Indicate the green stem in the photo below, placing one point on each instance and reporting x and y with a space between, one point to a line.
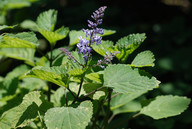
50 64
105 124
66 101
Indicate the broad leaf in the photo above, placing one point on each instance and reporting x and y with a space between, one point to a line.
124 79
31 84
54 74
166 106
47 20
26 112
96 77
144 59
74 35
26 54
53 37
128 44
20 40
11 80
122 99
132 106
69 117
105 46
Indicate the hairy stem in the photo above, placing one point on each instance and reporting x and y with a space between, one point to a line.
50 64
66 100
92 92
105 124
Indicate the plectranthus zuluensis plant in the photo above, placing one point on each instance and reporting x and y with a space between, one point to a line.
72 87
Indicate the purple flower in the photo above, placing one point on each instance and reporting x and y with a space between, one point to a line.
84 46
97 39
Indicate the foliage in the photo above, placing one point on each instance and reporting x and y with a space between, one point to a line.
85 86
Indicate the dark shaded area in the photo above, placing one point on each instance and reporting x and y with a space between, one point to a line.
167 24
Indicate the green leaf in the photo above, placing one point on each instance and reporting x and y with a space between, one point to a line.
20 40
132 106
108 32
6 27
89 87
53 74
124 79
105 46
122 99
16 4
26 112
166 106
144 59
47 20
58 98
32 84
74 35
97 77
12 79
26 54
128 44
29 24
69 117
53 37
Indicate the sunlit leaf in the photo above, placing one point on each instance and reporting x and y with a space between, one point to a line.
144 59
26 54
105 46
20 40
166 106
128 44
47 20
124 79
53 74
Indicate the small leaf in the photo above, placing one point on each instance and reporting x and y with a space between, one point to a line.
29 24
53 37
128 44
69 117
97 77
132 106
26 112
53 74
144 59
166 106
47 20
124 79
20 40
105 46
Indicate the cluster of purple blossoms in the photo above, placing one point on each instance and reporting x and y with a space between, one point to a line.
84 45
107 59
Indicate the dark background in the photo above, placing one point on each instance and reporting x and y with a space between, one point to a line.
168 26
